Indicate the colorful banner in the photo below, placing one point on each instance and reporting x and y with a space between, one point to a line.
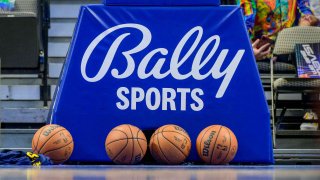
151 66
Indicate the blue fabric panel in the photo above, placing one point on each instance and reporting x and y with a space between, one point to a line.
126 62
163 2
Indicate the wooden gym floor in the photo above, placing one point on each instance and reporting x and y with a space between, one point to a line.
142 172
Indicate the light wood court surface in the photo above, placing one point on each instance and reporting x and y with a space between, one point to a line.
160 172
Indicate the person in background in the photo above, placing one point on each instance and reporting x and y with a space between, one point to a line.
266 18
315 7
308 20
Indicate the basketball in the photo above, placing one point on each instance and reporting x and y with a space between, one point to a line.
126 144
217 144
170 144
53 141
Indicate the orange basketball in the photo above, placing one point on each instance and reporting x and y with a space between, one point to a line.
53 141
170 144
126 144
217 144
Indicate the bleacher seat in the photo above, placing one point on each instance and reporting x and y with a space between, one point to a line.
20 31
286 41
279 68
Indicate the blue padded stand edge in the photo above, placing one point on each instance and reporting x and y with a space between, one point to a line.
162 2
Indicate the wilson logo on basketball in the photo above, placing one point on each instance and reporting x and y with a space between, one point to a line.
49 130
179 129
205 151
165 99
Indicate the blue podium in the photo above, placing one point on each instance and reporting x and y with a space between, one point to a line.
149 66
162 2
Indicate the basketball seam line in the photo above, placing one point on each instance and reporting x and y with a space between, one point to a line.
50 138
199 153
175 132
36 147
139 143
57 148
175 146
119 130
124 139
229 147
117 139
132 144
121 149
215 142
162 151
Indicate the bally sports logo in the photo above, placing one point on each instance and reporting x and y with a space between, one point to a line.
164 98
